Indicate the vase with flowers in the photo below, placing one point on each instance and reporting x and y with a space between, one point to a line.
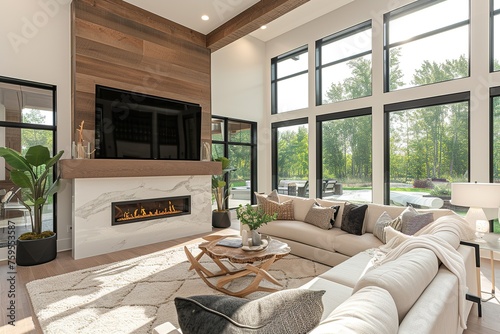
253 218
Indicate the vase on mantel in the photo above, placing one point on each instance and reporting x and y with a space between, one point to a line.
256 238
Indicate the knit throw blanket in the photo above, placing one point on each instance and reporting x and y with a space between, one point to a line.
448 255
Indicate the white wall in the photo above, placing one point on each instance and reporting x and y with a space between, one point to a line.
35 46
238 83
356 12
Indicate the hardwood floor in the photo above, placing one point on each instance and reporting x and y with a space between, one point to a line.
25 322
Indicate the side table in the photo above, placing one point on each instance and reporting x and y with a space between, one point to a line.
490 242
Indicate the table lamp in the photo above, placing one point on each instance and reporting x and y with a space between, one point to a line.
476 196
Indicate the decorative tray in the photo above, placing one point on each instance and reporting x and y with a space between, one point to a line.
262 246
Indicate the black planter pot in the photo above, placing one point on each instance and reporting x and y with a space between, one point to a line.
221 219
33 252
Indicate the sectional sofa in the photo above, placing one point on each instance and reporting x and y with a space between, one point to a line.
414 293
382 280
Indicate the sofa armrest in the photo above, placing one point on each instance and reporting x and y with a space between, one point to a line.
471 297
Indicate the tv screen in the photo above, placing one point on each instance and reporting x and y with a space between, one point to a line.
131 125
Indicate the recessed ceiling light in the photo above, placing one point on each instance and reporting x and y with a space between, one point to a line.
263 27
205 17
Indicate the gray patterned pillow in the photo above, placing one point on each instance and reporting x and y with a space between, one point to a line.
320 217
416 222
283 312
382 222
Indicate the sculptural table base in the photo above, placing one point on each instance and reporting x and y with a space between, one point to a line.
266 257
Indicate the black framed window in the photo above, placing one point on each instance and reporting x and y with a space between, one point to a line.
290 157
426 42
237 140
495 143
344 65
426 148
344 155
289 81
27 118
495 134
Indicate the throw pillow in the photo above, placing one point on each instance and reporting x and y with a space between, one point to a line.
416 222
336 209
353 218
273 196
382 222
286 311
331 203
284 210
320 217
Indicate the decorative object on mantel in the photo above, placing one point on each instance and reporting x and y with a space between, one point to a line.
253 218
221 216
31 173
206 150
80 149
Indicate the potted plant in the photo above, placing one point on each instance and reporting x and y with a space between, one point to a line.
221 216
32 173
253 218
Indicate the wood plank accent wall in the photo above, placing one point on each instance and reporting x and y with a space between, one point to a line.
118 45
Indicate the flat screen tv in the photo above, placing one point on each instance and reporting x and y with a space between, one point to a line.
130 125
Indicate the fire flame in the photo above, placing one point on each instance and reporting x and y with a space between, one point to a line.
142 213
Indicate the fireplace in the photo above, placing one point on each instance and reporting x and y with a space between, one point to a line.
147 209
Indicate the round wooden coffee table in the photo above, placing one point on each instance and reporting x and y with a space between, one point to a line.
258 262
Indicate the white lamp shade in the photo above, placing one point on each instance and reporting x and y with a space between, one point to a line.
476 195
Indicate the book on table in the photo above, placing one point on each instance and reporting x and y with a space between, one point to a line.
230 242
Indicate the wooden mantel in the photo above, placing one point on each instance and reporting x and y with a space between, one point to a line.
100 168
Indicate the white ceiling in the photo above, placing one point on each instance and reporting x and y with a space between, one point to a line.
188 13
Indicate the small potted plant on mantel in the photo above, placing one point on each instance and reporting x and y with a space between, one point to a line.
252 218
31 173
221 216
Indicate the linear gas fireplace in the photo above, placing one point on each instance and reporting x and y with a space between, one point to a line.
146 209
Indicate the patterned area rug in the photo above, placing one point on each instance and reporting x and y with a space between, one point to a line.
136 295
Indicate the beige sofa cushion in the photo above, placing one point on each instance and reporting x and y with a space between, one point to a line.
370 310
349 272
351 244
405 278
303 233
335 293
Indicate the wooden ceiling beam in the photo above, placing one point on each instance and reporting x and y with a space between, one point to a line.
250 20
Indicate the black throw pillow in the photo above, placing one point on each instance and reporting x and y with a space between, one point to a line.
353 218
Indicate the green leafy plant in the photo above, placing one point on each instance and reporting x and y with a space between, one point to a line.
253 217
32 174
219 183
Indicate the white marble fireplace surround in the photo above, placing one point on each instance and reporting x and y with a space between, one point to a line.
93 233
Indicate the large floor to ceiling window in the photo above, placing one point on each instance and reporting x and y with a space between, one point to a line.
290 143
27 118
427 148
344 65
495 140
423 46
289 81
236 140
346 155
